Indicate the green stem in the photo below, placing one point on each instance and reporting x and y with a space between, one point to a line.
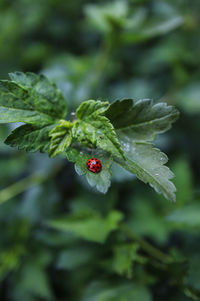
147 247
20 186
103 60
24 184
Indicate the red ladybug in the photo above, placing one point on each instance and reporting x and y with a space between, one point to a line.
94 165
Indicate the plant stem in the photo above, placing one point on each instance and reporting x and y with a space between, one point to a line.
20 186
147 247
103 60
24 184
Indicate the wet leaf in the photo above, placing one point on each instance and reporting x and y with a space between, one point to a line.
147 163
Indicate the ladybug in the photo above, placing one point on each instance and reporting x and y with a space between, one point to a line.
94 165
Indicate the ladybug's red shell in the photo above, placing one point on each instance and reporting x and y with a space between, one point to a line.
94 165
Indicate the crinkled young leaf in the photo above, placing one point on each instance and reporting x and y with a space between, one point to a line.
92 128
147 163
30 98
88 225
141 120
61 138
102 180
91 108
30 138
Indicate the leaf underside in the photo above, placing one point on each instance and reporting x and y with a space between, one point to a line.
142 120
147 163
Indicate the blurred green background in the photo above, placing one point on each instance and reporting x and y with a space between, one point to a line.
102 50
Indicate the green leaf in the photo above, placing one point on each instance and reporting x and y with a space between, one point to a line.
10 260
183 180
141 120
187 216
30 138
30 98
51 98
61 138
102 180
88 225
151 30
120 291
193 273
147 163
33 279
92 128
117 110
124 256
141 210
106 16
91 107
76 256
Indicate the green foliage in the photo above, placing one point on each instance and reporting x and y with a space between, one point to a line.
9 261
95 128
141 120
99 50
61 138
104 17
102 291
31 99
101 180
183 180
88 225
34 281
156 226
186 216
147 163
136 28
110 128
193 273
123 258
30 138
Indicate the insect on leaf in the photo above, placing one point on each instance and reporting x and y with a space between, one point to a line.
102 180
